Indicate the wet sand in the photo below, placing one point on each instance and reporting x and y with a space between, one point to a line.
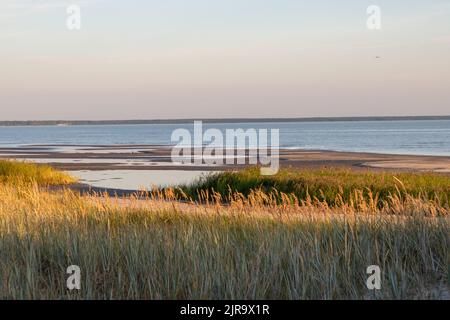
139 157
121 170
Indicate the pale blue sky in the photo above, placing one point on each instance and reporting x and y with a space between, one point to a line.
231 58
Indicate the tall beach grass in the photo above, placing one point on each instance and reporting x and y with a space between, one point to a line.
331 185
147 249
255 246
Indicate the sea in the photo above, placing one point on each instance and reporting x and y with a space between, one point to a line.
413 137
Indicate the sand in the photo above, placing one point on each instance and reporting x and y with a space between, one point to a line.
138 157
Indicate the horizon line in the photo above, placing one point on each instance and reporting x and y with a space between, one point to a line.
219 120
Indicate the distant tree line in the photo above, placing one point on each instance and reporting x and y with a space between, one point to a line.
231 120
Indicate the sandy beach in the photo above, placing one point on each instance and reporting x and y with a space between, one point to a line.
148 157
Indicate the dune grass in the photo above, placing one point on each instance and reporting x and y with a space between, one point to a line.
19 172
256 246
135 249
330 185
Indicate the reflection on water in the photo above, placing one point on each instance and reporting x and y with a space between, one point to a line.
137 179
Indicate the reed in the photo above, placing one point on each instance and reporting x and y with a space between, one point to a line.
332 186
153 248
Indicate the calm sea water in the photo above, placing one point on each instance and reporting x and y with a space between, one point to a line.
422 137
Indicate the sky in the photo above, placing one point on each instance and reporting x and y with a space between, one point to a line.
231 58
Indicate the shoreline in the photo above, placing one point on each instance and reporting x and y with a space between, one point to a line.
123 170
157 157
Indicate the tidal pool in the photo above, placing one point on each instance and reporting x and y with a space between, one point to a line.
137 179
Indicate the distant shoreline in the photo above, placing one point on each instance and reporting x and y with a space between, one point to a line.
213 120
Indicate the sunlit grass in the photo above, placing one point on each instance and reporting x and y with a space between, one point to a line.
157 249
14 171
256 242
330 185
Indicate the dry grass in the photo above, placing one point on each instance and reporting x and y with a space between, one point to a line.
19 172
251 248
